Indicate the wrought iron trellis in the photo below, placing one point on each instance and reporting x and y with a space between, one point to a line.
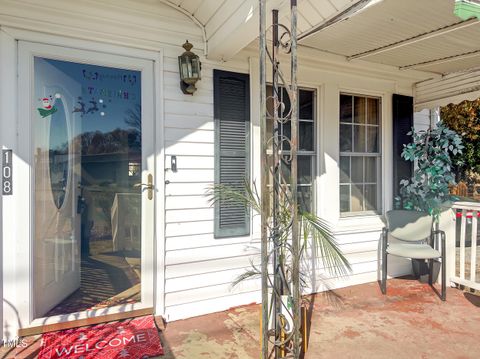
280 248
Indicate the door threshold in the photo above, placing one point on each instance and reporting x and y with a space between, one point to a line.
40 329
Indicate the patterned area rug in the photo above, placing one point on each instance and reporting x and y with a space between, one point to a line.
130 339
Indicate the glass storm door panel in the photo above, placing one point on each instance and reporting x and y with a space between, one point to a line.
87 141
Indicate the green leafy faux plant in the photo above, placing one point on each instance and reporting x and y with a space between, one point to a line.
432 152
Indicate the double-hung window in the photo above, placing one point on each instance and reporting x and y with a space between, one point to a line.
360 154
306 141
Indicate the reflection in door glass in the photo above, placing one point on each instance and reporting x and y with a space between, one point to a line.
58 147
88 159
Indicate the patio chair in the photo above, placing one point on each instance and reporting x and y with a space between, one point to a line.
416 240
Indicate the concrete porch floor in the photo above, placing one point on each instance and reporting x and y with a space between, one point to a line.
354 322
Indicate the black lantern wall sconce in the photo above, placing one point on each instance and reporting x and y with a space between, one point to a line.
189 68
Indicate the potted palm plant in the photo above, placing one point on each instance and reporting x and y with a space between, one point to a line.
314 231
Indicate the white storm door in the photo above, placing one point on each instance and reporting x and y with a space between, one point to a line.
90 131
56 176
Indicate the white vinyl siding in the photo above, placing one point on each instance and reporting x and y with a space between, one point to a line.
198 267
451 88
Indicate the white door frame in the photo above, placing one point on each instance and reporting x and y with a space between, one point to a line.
111 55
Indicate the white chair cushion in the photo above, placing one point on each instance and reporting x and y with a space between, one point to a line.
413 250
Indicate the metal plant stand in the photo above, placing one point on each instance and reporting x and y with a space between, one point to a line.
280 249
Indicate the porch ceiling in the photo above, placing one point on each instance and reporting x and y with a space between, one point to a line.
230 25
422 35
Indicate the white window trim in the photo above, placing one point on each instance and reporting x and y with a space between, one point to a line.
378 155
355 221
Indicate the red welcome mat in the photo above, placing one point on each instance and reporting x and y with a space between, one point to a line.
128 339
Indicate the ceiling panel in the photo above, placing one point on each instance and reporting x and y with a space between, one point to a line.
207 9
458 42
310 12
393 21
385 23
191 6
446 67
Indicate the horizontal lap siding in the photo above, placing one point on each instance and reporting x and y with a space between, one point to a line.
361 251
454 87
149 25
421 120
199 268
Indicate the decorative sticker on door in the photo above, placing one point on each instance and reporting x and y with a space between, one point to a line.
91 108
48 105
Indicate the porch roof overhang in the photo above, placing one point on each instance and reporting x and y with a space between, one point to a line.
412 35
425 36
228 26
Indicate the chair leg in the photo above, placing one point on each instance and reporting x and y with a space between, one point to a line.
430 271
384 271
444 277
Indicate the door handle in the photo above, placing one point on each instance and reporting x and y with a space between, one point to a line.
149 186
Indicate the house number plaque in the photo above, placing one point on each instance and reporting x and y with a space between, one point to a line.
7 184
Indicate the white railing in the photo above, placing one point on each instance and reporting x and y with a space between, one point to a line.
467 266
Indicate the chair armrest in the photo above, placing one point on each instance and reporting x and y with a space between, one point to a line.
443 238
384 237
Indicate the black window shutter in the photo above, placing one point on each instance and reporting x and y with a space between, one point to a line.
402 124
232 149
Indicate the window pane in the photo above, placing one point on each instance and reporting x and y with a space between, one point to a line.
287 132
304 197
357 170
345 138
372 142
304 164
359 115
269 102
371 169
285 99
345 198
370 197
285 168
270 167
306 105
304 169
306 135
345 108
269 132
282 98
357 198
344 169
373 111
359 139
